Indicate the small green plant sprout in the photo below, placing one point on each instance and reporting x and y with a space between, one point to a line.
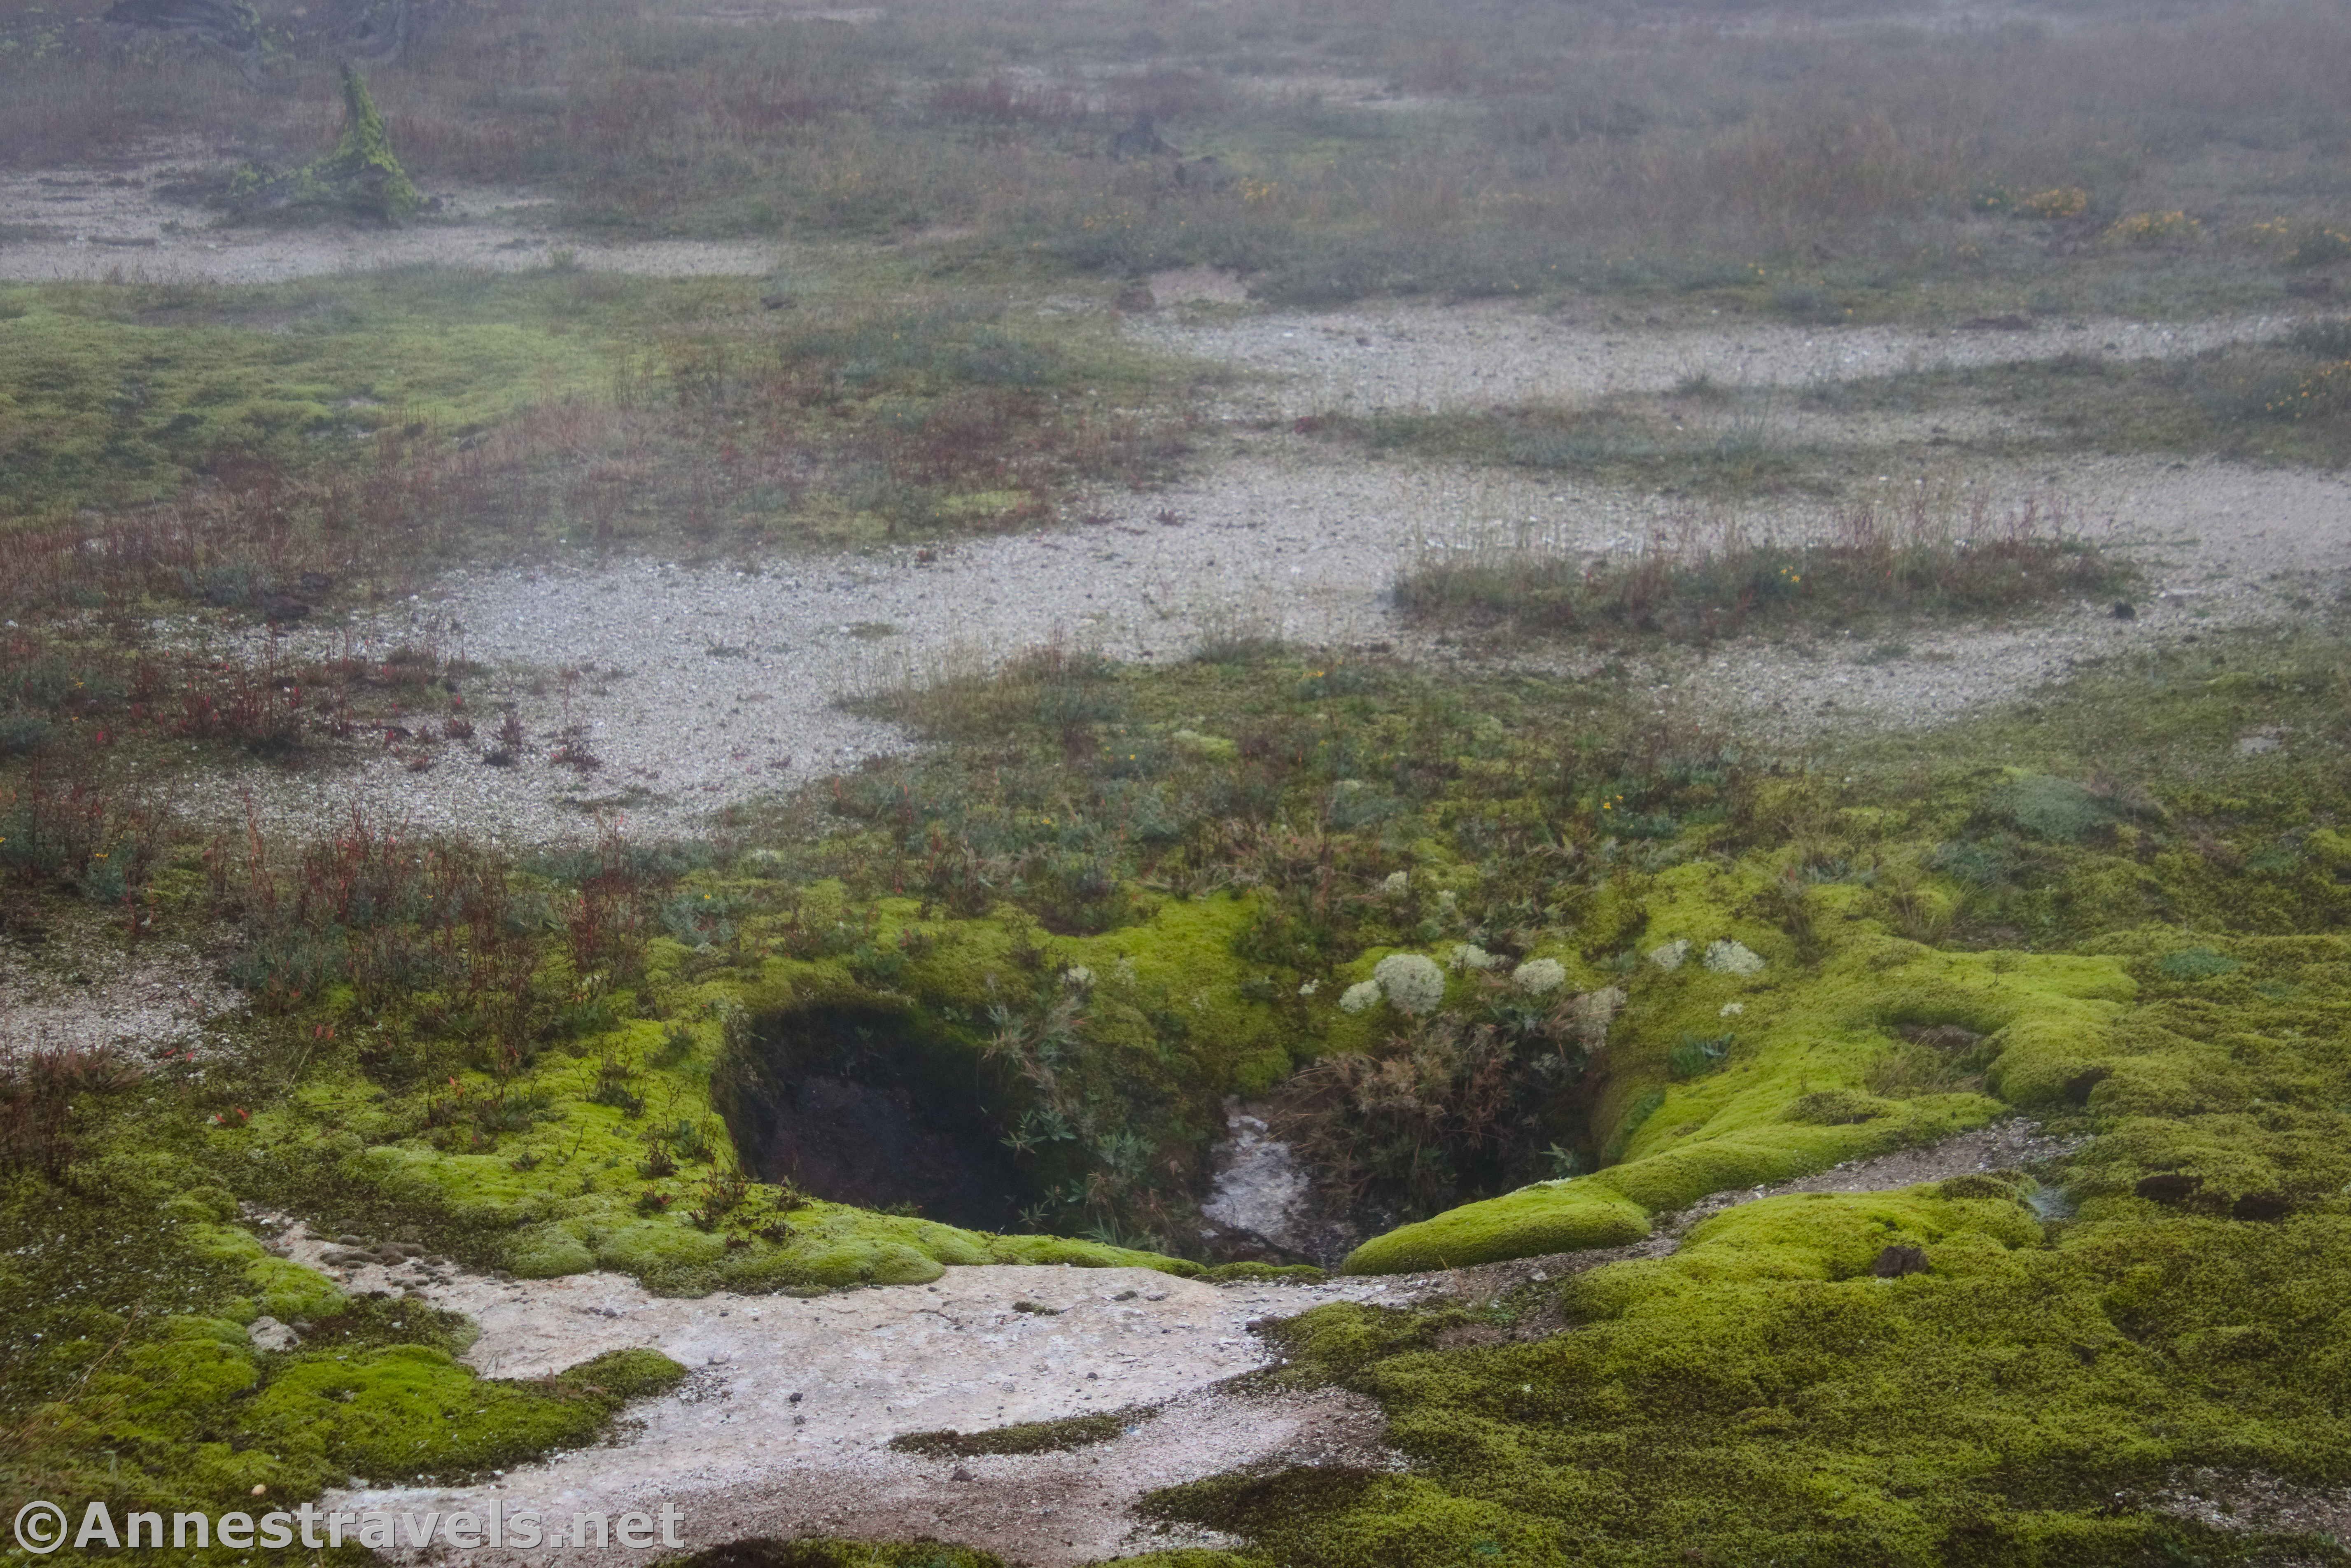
613 1077
1565 1163
686 1141
722 1192
658 1161
1694 1055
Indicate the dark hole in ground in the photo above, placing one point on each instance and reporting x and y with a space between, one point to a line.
863 1106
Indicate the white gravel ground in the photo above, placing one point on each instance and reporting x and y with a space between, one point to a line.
92 225
1282 536
144 1002
1426 358
784 1428
1272 534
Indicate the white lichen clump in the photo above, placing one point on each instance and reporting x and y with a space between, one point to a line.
1396 884
1078 978
1361 994
1669 956
1732 1009
1540 977
1309 987
1413 984
1469 955
1734 958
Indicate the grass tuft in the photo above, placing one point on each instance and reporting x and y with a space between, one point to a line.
1026 1437
1698 583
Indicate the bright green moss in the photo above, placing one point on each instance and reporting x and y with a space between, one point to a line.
1026 1437
1786 1387
1763 1393
626 1373
129 1373
123 401
358 177
363 166
1761 1396
406 1411
1792 1093
1550 1219
1839 1236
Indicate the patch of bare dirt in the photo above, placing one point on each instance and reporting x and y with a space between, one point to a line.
1198 286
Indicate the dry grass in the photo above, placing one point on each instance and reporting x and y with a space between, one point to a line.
1928 555
38 1092
1534 147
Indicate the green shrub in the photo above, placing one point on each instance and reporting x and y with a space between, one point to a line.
2050 808
22 733
2197 964
1693 1055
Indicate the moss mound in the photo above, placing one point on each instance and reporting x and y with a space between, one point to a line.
1792 1091
1988 1408
407 1411
1026 1437
1526 1223
360 177
129 1372
1988 1369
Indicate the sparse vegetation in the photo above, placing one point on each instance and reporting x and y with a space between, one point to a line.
1026 1436
1918 556
1512 963
2277 401
355 427
1731 449
1824 174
